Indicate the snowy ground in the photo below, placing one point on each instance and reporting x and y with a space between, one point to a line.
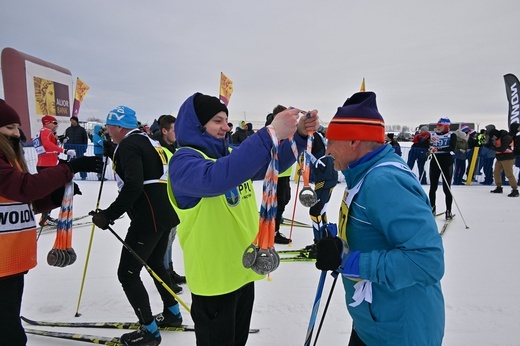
480 285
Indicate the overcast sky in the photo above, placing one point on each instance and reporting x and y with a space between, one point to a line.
424 59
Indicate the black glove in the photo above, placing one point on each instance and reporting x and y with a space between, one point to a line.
86 164
100 219
328 253
108 148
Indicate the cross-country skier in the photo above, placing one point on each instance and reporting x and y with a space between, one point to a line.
442 147
141 174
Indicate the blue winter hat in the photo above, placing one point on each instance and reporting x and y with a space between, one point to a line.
444 121
122 116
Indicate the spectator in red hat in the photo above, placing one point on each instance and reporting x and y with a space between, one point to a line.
47 147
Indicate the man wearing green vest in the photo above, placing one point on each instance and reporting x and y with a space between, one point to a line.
212 191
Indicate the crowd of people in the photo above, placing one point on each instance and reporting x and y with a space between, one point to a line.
178 176
497 152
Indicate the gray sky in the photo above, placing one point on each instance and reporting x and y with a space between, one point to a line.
424 59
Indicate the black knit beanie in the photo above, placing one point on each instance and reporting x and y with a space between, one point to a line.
206 107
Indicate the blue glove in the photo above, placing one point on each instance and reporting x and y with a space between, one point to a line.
350 265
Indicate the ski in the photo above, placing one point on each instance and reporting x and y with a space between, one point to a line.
297 259
287 222
445 226
50 228
93 339
298 251
299 255
111 325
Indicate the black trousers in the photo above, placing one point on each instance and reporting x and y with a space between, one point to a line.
151 247
283 196
11 330
355 340
223 320
444 162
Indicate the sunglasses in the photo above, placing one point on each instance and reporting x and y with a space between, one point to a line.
55 122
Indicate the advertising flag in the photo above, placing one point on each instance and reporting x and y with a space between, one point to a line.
226 88
512 86
362 89
79 95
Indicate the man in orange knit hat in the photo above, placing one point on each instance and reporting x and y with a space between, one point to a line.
389 254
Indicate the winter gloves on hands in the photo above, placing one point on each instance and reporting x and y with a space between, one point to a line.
331 255
108 148
328 253
86 164
70 153
100 219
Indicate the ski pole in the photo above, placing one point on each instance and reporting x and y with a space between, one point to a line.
325 309
315 307
299 173
91 239
150 270
449 189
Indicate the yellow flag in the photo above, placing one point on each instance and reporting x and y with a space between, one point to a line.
79 95
362 89
226 88
81 90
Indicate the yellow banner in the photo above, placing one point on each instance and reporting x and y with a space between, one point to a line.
81 90
226 88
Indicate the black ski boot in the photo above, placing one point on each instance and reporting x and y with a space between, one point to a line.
168 319
433 210
449 215
176 288
279 238
514 193
497 190
141 337
312 250
176 278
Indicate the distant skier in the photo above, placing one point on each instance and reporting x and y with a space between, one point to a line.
442 145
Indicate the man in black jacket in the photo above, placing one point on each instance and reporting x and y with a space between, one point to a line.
502 142
77 139
141 172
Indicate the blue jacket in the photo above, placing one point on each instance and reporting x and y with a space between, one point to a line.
97 140
391 223
193 177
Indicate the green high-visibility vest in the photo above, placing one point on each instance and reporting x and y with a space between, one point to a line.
214 235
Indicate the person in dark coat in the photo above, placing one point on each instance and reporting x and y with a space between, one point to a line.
502 143
419 152
77 139
241 133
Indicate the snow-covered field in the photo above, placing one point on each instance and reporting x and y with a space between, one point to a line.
480 285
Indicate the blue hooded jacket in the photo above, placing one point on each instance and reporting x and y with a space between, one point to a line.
97 140
391 223
193 177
